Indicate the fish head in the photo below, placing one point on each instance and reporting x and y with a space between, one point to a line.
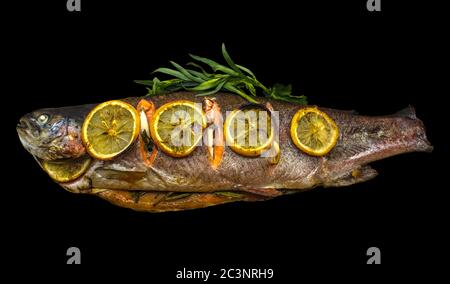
53 133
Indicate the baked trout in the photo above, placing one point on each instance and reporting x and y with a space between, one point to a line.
146 179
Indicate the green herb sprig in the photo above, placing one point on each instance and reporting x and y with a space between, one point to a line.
232 78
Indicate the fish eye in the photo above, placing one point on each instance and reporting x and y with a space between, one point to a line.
43 118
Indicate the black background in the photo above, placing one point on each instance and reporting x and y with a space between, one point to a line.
335 52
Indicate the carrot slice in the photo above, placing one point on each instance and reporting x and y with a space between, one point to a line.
148 108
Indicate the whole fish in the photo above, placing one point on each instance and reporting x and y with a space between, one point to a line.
165 183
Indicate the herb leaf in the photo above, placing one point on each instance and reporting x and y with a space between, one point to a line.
234 78
229 60
283 92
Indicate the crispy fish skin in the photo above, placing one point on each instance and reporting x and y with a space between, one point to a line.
362 140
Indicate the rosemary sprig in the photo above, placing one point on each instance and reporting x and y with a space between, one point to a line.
233 78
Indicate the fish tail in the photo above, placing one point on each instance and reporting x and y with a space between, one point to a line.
418 134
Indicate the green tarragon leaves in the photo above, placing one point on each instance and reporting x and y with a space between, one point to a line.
233 78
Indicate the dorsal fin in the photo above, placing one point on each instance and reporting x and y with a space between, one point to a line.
408 111
351 112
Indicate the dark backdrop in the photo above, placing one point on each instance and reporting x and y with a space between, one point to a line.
335 52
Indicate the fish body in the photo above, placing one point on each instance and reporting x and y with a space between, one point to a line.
173 183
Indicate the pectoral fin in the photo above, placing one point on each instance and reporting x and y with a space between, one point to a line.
121 175
162 202
357 175
266 192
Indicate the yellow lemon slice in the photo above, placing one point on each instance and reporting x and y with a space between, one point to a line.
313 131
248 131
109 129
176 127
67 170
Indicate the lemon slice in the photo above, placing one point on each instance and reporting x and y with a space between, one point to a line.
176 127
248 131
109 129
67 170
313 131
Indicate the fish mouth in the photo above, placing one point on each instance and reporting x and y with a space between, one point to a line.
28 134
27 129
25 139
22 125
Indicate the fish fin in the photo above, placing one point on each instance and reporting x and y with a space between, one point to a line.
152 201
408 111
357 175
120 175
351 112
98 190
267 192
